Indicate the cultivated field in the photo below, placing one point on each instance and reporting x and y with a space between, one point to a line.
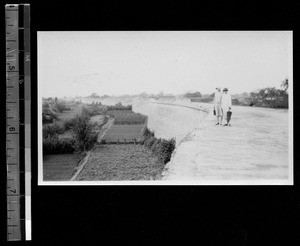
127 117
121 162
59 167
121 132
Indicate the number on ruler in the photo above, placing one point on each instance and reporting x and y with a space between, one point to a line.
27 58
11 67
11 129
21 81
14 190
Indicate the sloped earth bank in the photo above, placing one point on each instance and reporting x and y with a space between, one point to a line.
121 162
168 121
255 147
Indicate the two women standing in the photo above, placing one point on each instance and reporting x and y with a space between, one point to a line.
222 106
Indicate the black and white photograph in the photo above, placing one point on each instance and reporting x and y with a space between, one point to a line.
150 122
162 107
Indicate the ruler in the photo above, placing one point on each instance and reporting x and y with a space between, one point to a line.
18 101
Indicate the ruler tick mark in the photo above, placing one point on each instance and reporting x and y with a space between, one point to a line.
17 64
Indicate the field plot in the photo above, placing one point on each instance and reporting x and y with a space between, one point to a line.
59 167
121 162
127 117
121 132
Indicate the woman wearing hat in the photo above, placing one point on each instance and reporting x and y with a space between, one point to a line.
226 105
217 105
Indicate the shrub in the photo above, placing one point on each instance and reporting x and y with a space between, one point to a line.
47 119
119 106
149 142
85 113
92 139
52 130
146 133
156 146
96 109
166 149
61 106
53 145
162 148
84 135
69 124
235 101
105 119
45 105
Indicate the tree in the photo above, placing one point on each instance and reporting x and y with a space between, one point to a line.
45 105
83 132
269 97
285 84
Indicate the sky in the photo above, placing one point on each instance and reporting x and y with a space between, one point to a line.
130 62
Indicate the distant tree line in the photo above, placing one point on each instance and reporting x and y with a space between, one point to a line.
192 94
269 97
119 106
95 95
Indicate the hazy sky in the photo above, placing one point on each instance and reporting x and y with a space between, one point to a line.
80 63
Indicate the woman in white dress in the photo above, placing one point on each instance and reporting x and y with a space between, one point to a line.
217 105
226 105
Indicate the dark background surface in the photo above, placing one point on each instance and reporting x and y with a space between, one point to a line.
222 215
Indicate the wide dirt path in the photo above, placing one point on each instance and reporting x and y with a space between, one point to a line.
255 147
